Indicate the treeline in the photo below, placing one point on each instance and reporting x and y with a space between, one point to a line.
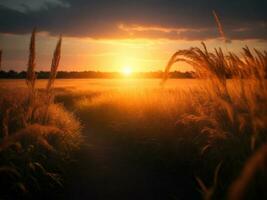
94 74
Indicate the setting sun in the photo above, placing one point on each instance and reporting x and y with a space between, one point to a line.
127 71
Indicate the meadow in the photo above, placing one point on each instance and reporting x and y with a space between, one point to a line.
173 142
139 138
147 141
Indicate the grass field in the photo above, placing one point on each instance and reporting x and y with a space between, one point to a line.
147 141
201 138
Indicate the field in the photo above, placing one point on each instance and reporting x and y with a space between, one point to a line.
142 140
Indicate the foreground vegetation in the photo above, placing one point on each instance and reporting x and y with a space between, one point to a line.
36 139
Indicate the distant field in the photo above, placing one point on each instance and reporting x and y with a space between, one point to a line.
85 84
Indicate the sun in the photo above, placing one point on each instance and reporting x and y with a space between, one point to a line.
127 71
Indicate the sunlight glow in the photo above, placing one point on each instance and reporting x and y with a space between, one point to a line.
127 71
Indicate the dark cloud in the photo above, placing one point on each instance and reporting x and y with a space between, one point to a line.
241 19
27 5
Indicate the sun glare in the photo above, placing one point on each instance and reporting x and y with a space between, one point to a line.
127 71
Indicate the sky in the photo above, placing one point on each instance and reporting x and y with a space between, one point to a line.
105 35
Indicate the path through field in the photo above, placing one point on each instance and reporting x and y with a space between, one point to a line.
111 167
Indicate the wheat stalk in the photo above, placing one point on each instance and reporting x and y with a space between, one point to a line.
54 65
52 77
30 76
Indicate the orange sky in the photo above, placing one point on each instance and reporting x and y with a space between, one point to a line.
81 54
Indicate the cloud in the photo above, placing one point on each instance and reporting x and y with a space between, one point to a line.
170 19
28 5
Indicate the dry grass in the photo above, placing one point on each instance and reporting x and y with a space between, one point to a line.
54 65
18 112
128 110
31 76
229 112
245 109
34 128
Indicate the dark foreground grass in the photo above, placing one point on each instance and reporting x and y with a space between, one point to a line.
138 150
37 137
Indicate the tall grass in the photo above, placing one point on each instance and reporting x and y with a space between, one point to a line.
31 76
54 66
236 112
33 131
247 106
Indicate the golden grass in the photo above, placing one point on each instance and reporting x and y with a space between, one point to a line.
20 113
54 65
229 111
33 125
248 72
135 108
31 76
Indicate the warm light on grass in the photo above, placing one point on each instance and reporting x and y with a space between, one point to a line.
127 71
